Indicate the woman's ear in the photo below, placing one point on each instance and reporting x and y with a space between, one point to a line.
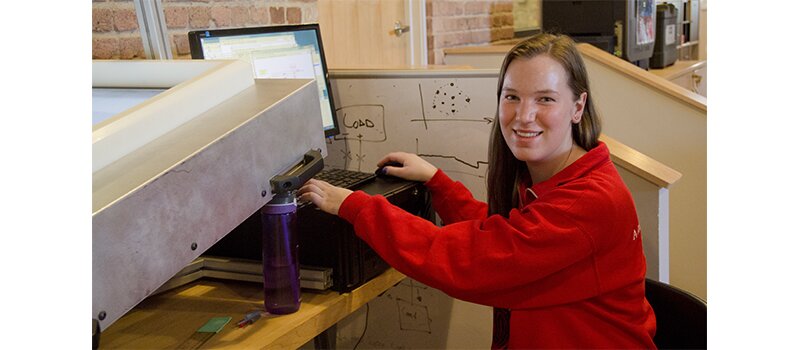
579 107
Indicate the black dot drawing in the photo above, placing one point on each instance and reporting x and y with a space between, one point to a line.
458 100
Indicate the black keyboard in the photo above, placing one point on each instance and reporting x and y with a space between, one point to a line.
344 178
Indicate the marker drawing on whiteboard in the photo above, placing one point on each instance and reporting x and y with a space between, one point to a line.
486 120
421 97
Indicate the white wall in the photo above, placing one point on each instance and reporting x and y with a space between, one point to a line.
703 31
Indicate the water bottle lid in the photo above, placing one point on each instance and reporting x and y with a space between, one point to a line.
281 207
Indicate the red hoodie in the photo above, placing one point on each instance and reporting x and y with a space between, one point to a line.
569 264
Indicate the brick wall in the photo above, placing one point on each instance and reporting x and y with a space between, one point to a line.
115 28
455 23
450 23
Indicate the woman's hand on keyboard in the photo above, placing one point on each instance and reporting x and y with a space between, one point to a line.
324 195
407 166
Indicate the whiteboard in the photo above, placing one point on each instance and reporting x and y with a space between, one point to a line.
443 116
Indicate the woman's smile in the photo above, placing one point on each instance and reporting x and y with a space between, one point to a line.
527 133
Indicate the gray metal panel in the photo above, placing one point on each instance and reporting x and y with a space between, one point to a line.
193 185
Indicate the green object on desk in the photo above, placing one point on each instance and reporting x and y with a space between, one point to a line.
214 325
198 338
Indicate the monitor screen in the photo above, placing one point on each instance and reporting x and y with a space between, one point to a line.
278 52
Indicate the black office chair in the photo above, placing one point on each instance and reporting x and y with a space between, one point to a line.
681 317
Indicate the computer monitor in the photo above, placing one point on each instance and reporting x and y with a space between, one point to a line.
277 52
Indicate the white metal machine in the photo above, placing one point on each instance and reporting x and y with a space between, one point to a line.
179 170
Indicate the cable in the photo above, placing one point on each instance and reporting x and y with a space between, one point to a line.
366 324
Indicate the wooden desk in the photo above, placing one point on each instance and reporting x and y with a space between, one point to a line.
166 320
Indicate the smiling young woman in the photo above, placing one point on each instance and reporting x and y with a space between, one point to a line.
557 249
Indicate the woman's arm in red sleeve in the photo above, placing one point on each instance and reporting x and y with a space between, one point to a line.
494 261
453 201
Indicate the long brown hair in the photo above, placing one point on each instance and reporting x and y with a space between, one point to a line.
504 170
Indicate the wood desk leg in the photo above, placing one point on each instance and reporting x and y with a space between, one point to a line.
326 340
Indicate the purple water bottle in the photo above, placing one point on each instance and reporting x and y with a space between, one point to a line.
280 260
280 248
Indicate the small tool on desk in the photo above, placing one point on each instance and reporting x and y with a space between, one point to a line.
213 326
249 319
